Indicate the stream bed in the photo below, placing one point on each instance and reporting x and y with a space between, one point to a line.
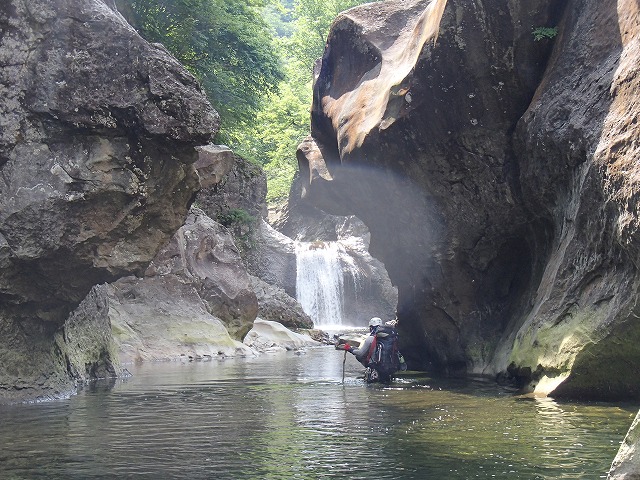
288 415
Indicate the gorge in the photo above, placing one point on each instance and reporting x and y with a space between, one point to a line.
495 174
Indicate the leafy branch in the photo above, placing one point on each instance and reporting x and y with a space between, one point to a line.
542 33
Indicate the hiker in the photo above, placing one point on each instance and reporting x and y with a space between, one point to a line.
379 352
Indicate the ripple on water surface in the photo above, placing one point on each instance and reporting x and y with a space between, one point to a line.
290 416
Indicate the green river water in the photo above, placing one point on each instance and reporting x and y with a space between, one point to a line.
283 416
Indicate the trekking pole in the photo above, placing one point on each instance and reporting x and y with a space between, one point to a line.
344 360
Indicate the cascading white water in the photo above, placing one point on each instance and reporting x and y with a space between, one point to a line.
319 282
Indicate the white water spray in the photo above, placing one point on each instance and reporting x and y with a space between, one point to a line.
319 282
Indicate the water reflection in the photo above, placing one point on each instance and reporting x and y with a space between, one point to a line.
287 416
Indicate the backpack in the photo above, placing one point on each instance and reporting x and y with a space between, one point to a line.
383 353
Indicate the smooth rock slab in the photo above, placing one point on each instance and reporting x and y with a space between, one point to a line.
269 336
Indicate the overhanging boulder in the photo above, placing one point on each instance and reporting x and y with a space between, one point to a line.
97 147
497 176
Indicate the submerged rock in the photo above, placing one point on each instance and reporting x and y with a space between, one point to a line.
97 145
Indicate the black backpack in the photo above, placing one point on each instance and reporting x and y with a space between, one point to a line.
383 353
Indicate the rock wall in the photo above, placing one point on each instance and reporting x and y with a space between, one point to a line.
97 145
497 176
579 177
196 300
273 258
203 256
243 187
626 465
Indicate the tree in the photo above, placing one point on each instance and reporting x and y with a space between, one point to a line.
313 18
258 75
280 127
226 44
285 119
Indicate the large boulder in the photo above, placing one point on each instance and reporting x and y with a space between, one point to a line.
213 164
498 177
163 318
202 254
578 177
97 145
268 336
626 465
194 301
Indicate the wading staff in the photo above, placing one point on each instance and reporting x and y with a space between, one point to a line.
344 360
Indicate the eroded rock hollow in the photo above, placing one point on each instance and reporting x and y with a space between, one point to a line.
498 176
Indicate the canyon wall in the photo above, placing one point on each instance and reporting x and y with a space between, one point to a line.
497 174
97 145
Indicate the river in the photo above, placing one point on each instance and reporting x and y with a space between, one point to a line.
289 416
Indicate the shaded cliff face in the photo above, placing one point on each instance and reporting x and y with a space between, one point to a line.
496 179
96 152
580 173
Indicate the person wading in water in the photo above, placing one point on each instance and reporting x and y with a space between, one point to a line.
379 352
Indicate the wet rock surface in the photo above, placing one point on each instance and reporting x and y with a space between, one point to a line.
626 465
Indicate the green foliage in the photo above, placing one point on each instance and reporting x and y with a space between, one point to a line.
241 224
312 21
285 120
255 60
542 33
226 44
280 127
235 217
279 17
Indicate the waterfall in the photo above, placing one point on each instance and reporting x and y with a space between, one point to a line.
319 282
